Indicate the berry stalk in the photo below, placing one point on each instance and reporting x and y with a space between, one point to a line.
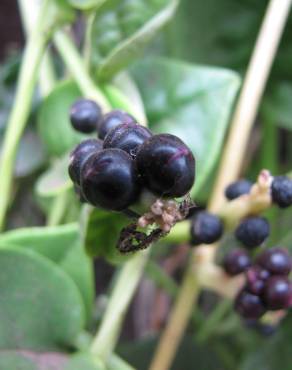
18 117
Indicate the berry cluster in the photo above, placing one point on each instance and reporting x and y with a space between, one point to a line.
111 171
267 286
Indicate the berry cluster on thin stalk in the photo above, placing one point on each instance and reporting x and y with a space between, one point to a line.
266 285
114 170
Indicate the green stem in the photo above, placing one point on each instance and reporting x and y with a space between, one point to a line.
21 107
124 289
58 209
76 66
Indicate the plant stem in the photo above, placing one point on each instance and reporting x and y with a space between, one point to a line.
21 107
76 66
124 289
241 125
58 209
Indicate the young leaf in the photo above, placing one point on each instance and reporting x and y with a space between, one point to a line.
86 4
122 29
62 245
41 308
54 125
192 102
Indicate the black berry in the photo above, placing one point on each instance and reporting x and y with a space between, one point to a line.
236 261
256 278
282 191
112 120
278 293
248 305
253 231
128 137
205 228
276 260
79 155
109 180
238 188
166 165
85 115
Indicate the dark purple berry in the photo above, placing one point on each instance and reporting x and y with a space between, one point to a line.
238 188
79 155
79 193
166 165
252 231
278 293
276 260
85 115
282 191
248 305
109 180
128 137
205 228
112 120
256 278
236 261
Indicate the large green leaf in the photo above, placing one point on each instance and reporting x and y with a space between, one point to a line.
54 125
123 28
101 231
62 245
40 307
192 102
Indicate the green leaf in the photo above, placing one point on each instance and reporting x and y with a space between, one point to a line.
84 361
86 4
122 29
54 125
55 180
101 231
277 105
40 307
192 102
62 245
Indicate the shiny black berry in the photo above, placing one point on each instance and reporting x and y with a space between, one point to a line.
79 155
112 120
128 137
236 261
252 231
276 260
109 180
85 115
248 305
278 293
256 278
238 188
205 228
166 165
282 191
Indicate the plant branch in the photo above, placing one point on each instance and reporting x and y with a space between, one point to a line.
245 112
21 107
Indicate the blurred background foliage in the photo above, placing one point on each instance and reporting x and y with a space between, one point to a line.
218 33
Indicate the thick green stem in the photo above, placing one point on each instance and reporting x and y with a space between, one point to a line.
123 292
76 66
21 107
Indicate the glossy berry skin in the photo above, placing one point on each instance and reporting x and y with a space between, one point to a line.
109 180
166 165
256 278
112 120
282 191
248 305
79 155
85 115
276 260
238 188
278 293
252 231
236 261
205 228
128 137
